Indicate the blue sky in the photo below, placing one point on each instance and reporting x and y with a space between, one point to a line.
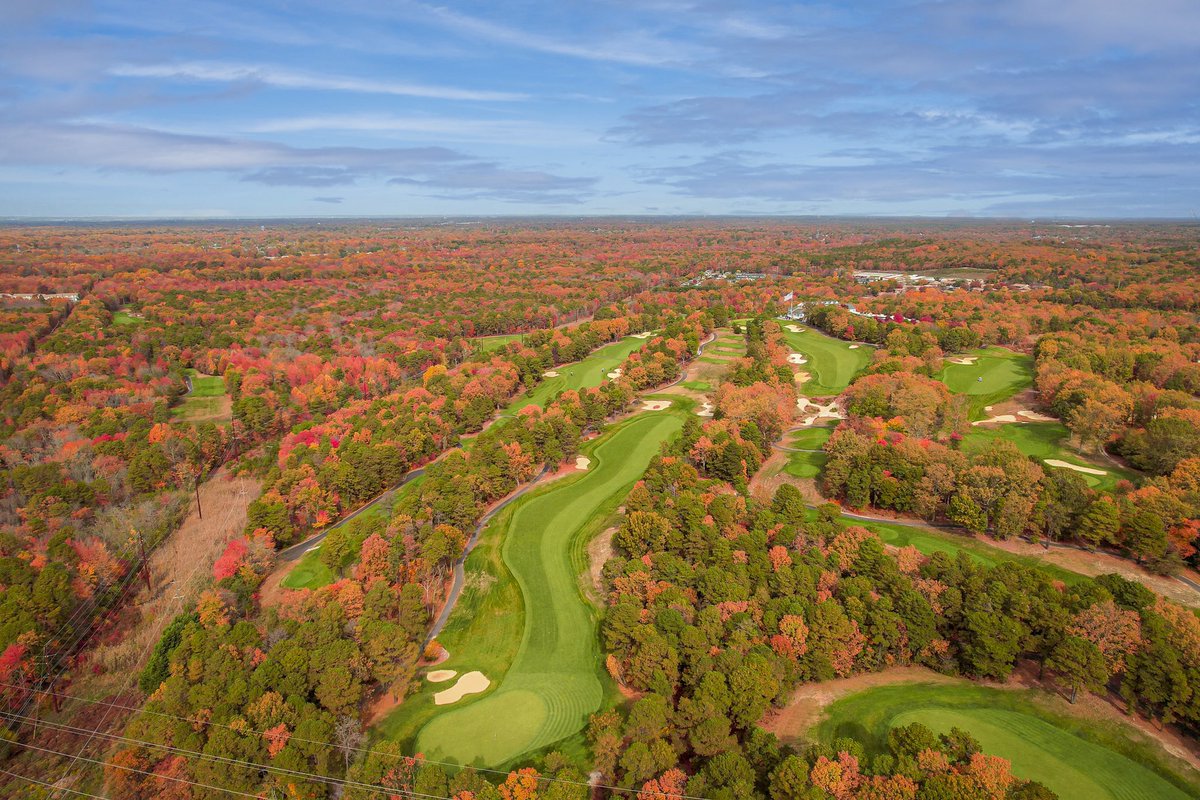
386 107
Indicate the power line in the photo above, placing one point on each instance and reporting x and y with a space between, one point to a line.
35 781
283 771
422 759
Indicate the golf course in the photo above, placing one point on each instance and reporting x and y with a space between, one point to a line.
832 363
1078 758
993 375
1048 441
583 374
543 657
810 463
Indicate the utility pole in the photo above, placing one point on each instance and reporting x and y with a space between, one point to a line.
196 487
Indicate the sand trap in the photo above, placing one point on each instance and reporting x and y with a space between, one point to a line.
582 462
655 405
815 411
440 675
705 410
964 360
999 418
853 347
645 335
1035 416
550 374
616 373
794 328
1054 462
802 377
471 683
797 358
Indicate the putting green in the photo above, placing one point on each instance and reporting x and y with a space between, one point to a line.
832 363
1077 758
996 375
807 465
1048 440
555 681
577 375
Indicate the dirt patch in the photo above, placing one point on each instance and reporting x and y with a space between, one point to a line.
599 551
807 705
1036 416
180 565
471 683
1100 563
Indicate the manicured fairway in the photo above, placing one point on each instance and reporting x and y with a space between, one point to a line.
1079 759
807 465
1043 440
123 317
930 540
584 374
1003 373
555 681
831 362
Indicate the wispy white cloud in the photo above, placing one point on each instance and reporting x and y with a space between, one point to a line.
280 77
530 132
633 48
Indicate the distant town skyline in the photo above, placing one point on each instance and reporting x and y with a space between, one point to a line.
121 108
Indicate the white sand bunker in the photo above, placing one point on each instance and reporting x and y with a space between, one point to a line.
998 418
794 328
471 683
550 374
616 373
797 358
1035 416
582 462
655 405
440 675
645 335
1054 462
853 347
964 360
705 410
816 411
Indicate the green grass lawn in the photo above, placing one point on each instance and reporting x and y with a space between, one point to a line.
1077 758
831 362
1003 373
123 317
309 573
206 399
556 679
1043 440
807 465
697 386
930 540
584 374
488 343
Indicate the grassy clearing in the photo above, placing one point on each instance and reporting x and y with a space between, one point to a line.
1078 758
486 344
1043 440
207 401
697 386
584 374
832 363
123 317
996 375
556 680
309 573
